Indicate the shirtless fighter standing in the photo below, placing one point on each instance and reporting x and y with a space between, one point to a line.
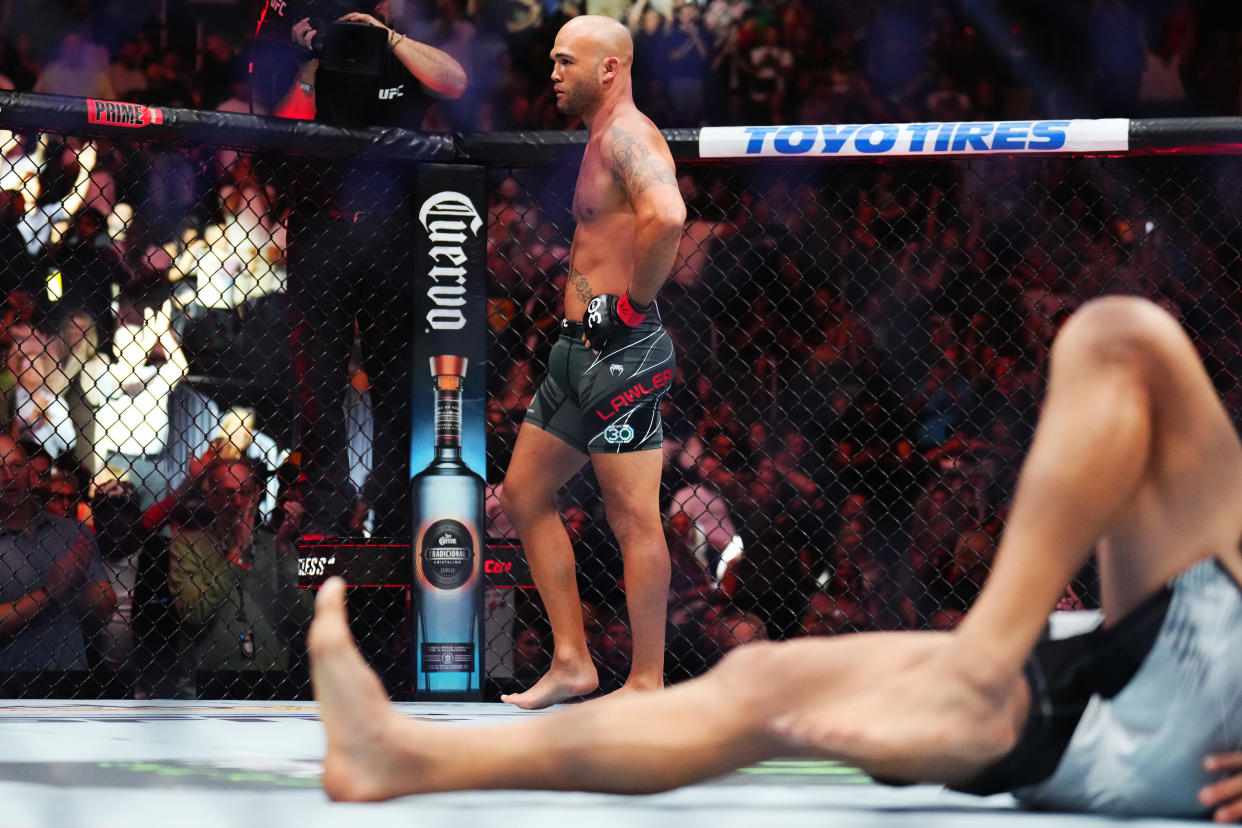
607 373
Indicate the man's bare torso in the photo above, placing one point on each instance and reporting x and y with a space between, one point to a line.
601 259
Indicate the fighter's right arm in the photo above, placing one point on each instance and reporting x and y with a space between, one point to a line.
641 162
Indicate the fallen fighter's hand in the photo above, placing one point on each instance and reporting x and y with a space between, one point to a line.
1224 798
607 315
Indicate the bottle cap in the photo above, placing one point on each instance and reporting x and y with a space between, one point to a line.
448 365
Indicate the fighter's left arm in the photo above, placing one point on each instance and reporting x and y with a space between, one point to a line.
1224 798
641 161
435 69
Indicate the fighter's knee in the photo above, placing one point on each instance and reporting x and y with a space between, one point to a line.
634 521
520 502
1124 329
508 500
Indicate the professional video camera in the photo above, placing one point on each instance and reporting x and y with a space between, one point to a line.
348 44
350 54
280 15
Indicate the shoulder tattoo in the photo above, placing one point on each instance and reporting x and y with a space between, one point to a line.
636 165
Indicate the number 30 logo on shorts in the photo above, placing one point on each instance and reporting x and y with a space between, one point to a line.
616 434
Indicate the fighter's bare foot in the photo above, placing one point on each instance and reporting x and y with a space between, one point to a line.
627 689
639 684
353 705
939 721
561 682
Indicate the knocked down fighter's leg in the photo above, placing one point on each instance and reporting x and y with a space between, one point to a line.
625 743
1133 451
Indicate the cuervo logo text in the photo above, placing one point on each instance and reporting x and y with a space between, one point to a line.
449 219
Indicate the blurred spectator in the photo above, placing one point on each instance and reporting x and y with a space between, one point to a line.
60 191
688 50
59 495
827 614
41 413
721 17
733 629
79 68
947 102
615 648
41 464
650 73
17 265
121 536
238 261
18 63
716 543
89 266
221 68
690 580
771 580
239 437
167 83
54 593
125 74
143 424
44 367
952 594
616 9
530 659
850 568
1116 32
235 586
770 63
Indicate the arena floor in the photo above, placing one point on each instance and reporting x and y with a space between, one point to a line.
131 764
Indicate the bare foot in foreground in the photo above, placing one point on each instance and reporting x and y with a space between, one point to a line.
937 722
354 707
558 684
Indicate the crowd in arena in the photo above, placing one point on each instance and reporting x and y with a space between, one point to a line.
716 62
861 348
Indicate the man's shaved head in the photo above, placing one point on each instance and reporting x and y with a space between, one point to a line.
592 55
597 37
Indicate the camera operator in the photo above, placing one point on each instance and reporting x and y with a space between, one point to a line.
350 256
417 70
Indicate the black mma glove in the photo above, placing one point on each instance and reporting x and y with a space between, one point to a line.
607 315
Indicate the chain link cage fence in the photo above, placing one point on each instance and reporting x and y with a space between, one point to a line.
861 352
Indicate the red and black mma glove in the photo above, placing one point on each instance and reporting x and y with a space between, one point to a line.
608 315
